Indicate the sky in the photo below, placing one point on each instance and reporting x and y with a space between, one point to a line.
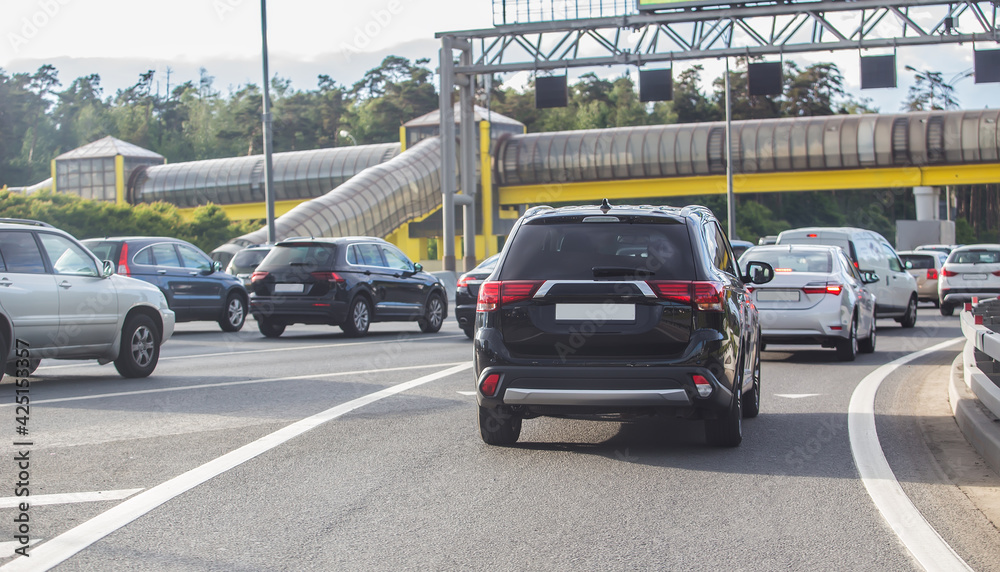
120 39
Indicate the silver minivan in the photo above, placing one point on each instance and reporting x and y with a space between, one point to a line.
895 292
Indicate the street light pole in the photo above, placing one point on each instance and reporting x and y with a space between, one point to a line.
268 173
730 206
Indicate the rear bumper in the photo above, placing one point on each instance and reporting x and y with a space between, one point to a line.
961 295
579 390
298 310
466 315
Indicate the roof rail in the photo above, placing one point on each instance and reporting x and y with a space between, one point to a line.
26 221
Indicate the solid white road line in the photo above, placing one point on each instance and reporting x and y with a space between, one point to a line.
797 395
469 393
7 548
919 537
270 350
64 546
68 498
230 383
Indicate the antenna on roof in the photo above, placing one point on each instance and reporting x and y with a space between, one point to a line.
605 206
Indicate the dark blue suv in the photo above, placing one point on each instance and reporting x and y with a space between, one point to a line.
195 286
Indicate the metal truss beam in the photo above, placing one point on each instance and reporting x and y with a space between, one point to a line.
768 28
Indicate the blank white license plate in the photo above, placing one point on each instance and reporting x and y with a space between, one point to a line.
288 288
975 277
596 312
777 296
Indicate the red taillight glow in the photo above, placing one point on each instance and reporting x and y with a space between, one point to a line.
489 385
463 282
259 275
493 295
828 288
705 296
996 273
331 277
932 274
946 272
123 268
812 235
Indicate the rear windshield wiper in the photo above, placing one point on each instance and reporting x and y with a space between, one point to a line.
604 271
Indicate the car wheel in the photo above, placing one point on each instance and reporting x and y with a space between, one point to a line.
11 368
235 314
499 427
751 399
140 349
947 309
726 431
359 317
470 332
433 315
270 328
867 345
847 349
910 319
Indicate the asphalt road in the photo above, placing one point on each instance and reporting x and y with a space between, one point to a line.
220 471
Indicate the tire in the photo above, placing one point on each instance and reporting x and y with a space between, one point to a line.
433 315
140 349
359 317
499 427
751 399
847 350
947 310
910 319
11 368
867 345
726 431
470 332
270 328
234 314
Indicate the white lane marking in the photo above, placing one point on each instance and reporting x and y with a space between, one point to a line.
64 546
466 392
919 537
7 548
230 383
68 498
797 395
268 350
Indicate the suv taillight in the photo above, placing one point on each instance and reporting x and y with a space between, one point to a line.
331 277
123 268
259 275
932 274
946 272
705 296
493 295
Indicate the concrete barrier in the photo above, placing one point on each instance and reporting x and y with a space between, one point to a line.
973 393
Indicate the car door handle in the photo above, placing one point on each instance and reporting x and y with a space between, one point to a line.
5 282
65 284
161 272
193 273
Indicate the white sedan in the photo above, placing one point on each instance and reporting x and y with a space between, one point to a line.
817 297
971 271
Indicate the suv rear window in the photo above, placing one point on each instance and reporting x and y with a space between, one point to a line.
312 256
544 250
816 261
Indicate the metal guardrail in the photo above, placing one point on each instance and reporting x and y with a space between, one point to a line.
982 362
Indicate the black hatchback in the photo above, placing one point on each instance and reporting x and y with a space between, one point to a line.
618 312
348 282
467 292
195 286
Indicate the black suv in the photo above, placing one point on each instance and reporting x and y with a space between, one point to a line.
615 312
348 282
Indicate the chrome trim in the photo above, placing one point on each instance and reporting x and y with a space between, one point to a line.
643 287
518 396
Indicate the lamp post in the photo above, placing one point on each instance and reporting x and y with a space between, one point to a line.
346 133
268 173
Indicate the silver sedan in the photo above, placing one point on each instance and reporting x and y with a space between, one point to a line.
817 297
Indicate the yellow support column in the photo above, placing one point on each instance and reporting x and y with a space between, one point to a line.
486 200
120 179
402 138
54 176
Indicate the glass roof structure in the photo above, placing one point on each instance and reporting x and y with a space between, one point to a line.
374 203
110 147
297 175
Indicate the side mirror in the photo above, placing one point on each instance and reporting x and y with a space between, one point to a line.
909 264
417 267
758 273
108 269
869 277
